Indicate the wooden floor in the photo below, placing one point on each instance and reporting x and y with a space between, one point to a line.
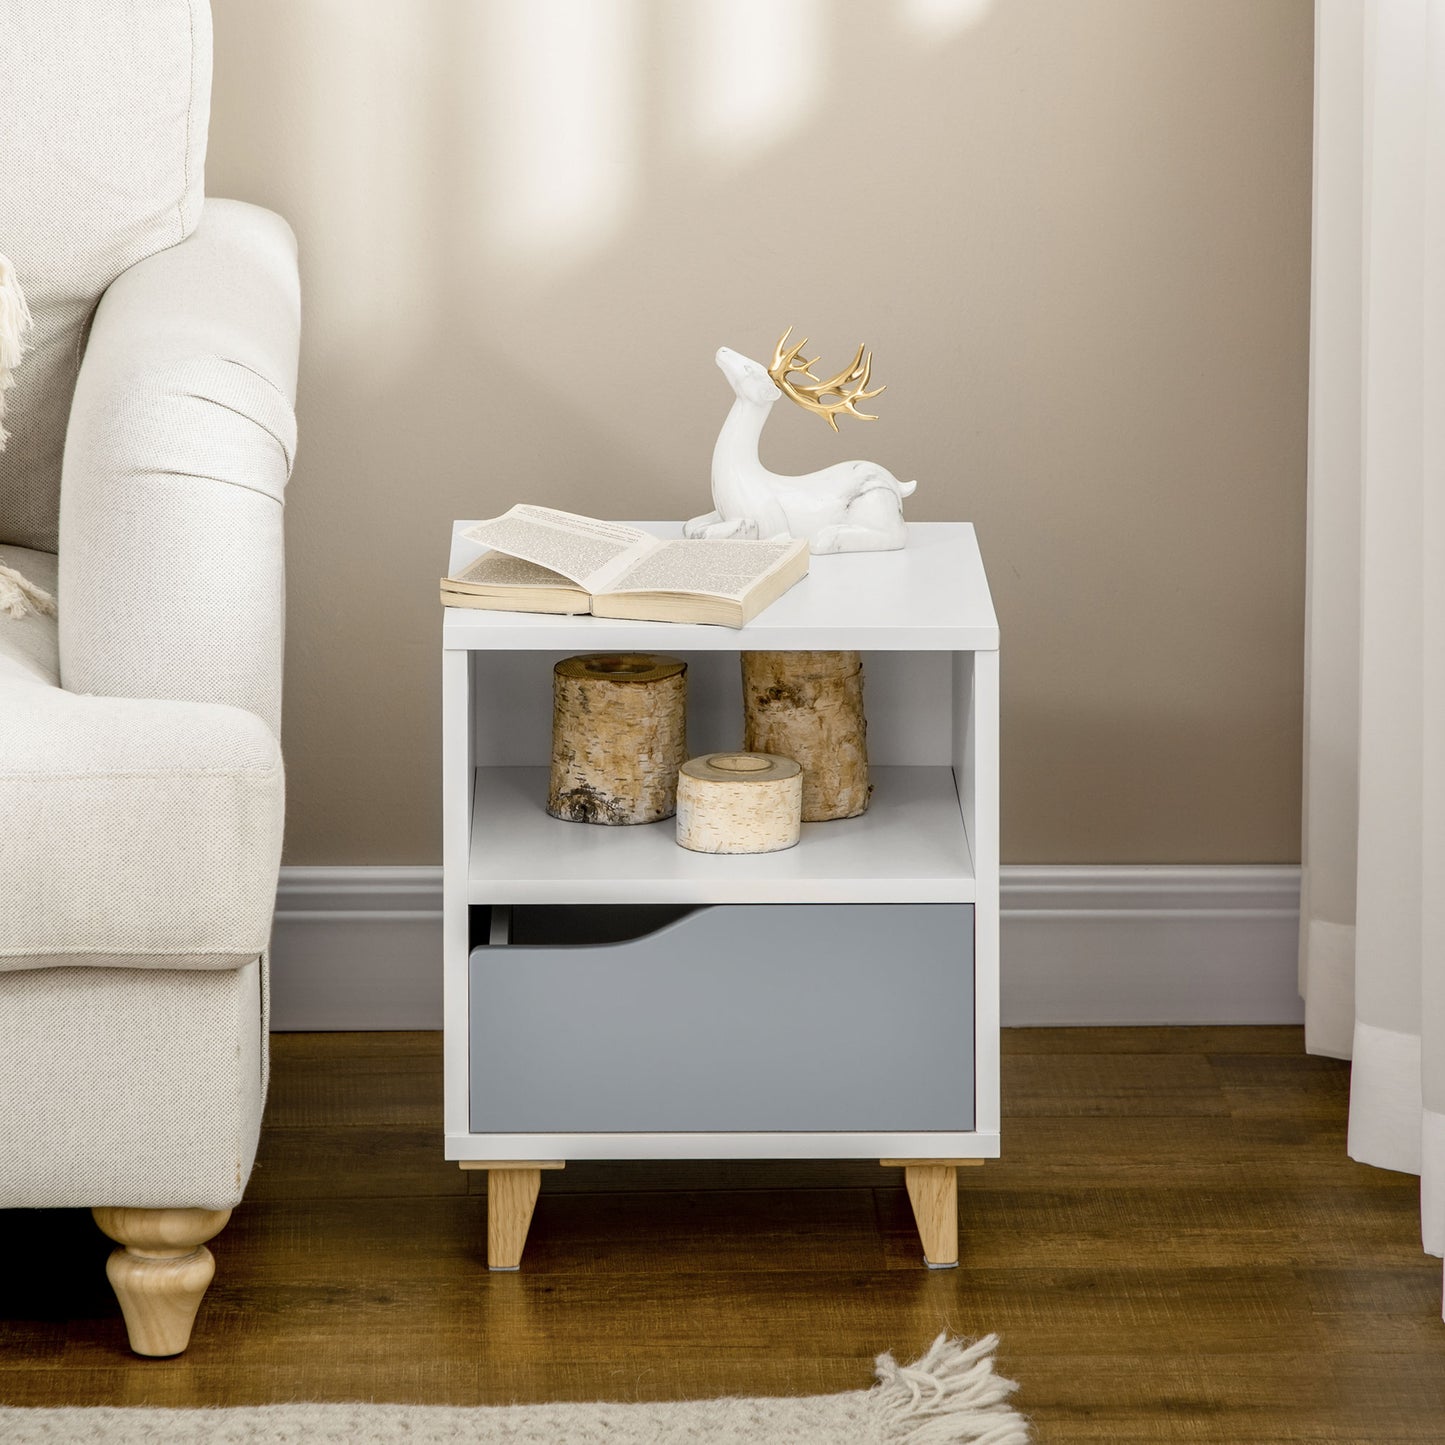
1174 1248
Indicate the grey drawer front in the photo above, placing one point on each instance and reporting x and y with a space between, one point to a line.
742 1018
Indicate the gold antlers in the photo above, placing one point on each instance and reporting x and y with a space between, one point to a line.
826 398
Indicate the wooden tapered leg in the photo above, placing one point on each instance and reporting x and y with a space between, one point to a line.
511 1198
512 1189
933 1192
161 1273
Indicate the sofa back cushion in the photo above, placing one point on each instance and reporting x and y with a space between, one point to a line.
103 112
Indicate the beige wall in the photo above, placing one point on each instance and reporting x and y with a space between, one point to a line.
1076 234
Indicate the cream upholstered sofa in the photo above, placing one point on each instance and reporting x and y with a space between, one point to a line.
151 437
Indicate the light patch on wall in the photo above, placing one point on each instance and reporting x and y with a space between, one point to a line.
356 121
557 119
943 19
754 73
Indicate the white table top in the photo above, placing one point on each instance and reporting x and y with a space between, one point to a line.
931 595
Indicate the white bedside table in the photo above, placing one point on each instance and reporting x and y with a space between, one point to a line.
609 995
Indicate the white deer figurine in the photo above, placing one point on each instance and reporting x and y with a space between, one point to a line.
848 507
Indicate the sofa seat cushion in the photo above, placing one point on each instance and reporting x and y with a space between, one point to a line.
133 833
104 106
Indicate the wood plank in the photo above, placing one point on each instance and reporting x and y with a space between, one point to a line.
1285 1398
1176 1086
1268 1086
659 1321
1207 1039
343 1162
291 1052
756 1232
654 1233
1043 1152
1230 1227
590 1176
341 1090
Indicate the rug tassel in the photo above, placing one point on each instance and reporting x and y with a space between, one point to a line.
949 1397
18 595
15 322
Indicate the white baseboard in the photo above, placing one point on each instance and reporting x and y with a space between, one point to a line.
1209 944
357 948
360 948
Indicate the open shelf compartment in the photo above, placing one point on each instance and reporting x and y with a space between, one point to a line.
909 847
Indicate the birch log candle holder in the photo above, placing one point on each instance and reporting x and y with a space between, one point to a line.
739 803
808 706
619 735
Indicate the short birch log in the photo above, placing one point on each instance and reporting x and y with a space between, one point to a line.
619 735
739 803
808 706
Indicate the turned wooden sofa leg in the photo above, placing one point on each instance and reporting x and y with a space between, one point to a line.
161 1273
512 1189
933 1192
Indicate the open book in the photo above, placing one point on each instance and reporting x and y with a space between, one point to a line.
548 561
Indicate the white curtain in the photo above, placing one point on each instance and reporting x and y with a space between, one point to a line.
1372 941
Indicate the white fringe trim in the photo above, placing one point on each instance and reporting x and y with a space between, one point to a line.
19 595
15 323
949 1397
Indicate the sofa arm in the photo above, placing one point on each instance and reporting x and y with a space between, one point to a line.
177 454
138 833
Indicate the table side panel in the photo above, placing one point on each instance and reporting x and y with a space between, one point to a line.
976 715
458 775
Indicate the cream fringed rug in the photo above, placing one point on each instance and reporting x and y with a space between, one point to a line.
949 1397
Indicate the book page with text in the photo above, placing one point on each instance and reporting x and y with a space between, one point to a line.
714 569
585 550
500 569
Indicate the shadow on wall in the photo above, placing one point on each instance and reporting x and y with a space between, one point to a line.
1076 237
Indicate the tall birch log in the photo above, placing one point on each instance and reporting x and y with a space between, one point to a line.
808 706
619 735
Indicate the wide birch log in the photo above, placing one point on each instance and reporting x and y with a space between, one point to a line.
619 735
808 706
739 803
